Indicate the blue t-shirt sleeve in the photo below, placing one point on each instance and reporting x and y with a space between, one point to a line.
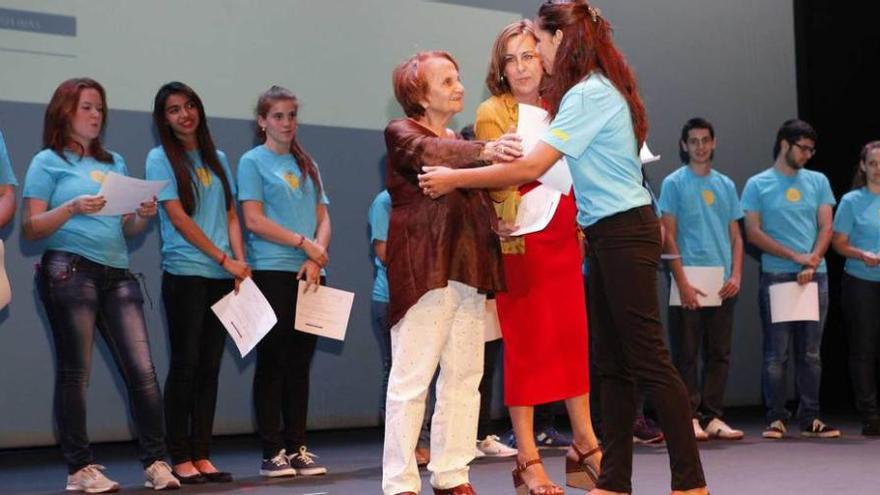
119 164
224 163
158 168
751 199
380 212
668 197
735 208
844 219
825 191
7 176
324 199
38 182
250 184
582 114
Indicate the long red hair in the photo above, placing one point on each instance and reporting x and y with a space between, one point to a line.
59 114
587 46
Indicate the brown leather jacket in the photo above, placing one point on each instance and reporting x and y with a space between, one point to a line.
433 241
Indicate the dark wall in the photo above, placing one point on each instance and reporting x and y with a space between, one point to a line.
838 50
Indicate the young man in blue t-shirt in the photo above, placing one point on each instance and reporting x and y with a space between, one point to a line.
788 216
701 213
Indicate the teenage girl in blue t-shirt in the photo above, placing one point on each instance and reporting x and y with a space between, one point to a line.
202 260
84 281
285 212
857 237
599 123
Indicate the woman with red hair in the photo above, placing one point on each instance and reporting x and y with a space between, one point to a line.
599 124
84 282
442 257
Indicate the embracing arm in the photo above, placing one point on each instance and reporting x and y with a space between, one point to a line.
526 169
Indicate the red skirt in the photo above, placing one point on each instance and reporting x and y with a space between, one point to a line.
543 314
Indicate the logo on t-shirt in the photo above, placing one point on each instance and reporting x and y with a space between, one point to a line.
291 179
708 197
204 176
792 195
97 176
559 133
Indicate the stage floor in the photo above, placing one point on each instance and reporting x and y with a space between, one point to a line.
753 465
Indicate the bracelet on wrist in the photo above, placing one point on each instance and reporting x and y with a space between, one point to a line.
222 259
302 240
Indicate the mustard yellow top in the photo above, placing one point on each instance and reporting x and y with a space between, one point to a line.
496 116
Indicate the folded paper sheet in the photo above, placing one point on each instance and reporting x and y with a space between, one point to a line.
709 279
790 301
247 316
125 194
324 312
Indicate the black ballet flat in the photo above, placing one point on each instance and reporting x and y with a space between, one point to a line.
193 479
218 477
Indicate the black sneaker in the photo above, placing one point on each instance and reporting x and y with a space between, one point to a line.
774 430
304 463
871 427
818 429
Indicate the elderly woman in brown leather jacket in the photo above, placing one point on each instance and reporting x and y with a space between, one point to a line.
443 256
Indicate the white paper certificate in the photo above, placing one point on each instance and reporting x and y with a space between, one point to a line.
536 210
491 326
125 194
790 301
324 313
247 316
531 124
5 289
709 279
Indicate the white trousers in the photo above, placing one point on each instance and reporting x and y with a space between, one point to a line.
444 327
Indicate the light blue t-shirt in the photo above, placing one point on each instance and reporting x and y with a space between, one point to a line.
594 130
55 180
789 207
858 216
179 257
288 200
703 207
7 176
380 213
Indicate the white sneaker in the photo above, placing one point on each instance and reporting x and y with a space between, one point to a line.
699 433
719 429
492 447
90 479
160 477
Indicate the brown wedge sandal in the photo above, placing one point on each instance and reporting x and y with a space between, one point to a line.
580 473
523 489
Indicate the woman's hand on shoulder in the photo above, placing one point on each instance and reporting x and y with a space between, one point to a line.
506 148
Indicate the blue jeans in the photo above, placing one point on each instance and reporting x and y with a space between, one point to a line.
805 340
80 295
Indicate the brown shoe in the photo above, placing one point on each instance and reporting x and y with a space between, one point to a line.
580 473
522 489
463 489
